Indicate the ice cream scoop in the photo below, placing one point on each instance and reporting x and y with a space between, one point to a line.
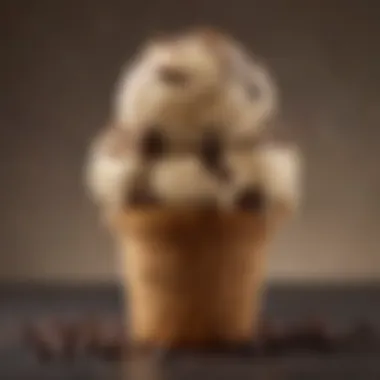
188 81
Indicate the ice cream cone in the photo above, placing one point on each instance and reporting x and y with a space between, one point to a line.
192 278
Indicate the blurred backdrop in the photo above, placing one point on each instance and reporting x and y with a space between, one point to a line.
59 61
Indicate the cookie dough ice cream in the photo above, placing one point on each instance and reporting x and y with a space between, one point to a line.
191 208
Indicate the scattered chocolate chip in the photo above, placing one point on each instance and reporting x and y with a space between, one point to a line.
267 330
173 76
363 330
107 341
45 340
88 335
312 336
70 332
111 347
248 349
38 343
111 343
157 353
251 199
272 338
162 353
362 338
152 144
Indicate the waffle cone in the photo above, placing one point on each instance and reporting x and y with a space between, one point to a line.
191 277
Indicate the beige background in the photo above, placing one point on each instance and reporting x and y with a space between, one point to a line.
59 62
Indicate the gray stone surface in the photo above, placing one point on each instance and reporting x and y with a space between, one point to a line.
341 306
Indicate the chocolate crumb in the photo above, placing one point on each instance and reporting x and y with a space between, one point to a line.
251 199
152 144
45 340
312 336
362 338
106 340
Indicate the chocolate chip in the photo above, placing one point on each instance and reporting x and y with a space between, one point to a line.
159 353
173 76
211 155
45 340
39 343
88 335
140 196
363 330
111 344
272 338
362 338
211 149
248 349
152 144
70 333
312 336
251 199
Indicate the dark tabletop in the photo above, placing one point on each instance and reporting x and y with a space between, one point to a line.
340 307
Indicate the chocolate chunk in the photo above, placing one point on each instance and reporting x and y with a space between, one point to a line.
363 330
39 343
272 338
362 338
152 144
211 149
212 155
45 340
173 76
167 353
69 332
312 336
248 349
159 353
251 199
106 338
111 351
89 335
141 196
111 344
